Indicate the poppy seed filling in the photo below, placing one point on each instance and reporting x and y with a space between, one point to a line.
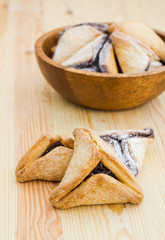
100 168
54 145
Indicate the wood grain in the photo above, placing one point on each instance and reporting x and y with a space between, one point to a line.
30 107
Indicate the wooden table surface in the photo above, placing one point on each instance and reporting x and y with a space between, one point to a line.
29 107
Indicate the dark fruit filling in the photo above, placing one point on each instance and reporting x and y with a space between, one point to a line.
100 168
54 145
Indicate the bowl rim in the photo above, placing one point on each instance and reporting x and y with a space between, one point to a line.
40 53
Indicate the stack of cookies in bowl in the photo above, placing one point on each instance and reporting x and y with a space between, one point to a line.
124 47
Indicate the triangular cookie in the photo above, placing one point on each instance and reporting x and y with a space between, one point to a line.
111 161
42 160
129 145
72 39
99 188
133 56
142 32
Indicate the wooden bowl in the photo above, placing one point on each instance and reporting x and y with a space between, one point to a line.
97 90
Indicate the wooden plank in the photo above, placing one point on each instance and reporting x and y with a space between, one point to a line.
33 117
8 191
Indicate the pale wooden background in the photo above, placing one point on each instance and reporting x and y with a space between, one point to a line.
30 107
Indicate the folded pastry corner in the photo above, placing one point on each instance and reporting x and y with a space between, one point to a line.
106 177
101 169
143 33
47 159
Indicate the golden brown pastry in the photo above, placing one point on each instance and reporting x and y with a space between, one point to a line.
107 62
51 164
133 57
143 33
85 157
81 185
72 40
47 159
